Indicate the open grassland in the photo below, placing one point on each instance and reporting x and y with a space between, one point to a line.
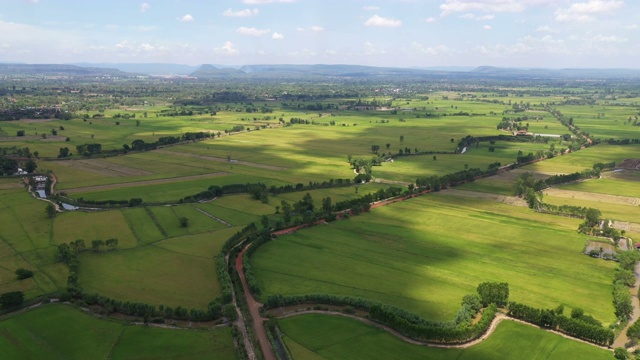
25 242
425 254
207 244
585 158
101 225
607 185
319 337
142 226
603 121
62 332
151 274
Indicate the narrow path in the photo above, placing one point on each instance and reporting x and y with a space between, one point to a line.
219 159
143 183
494 324
213 217
254 310
622 339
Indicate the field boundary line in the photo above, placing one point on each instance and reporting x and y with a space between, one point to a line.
116 342
211 216
155 221
494 324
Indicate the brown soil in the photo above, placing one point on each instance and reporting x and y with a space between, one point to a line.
10 186
142 183
102 168
581 195
254 309
511 200
32 137
629 164
218 159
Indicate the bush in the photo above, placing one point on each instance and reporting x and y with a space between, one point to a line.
24 273
11 299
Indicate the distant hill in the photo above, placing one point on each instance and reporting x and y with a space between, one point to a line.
59 70
210 71
490 71
146 68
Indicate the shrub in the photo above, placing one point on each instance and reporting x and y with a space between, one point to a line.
24 273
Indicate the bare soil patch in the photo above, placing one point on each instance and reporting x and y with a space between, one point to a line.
581 195
142 183
510 200
626 226
32 137
17 184
103 168
218 159
629 164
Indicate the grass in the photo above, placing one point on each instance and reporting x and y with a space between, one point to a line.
424 255
151 274
612 186
62 332
101 225
317 336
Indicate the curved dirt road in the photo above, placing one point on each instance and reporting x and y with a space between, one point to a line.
254 310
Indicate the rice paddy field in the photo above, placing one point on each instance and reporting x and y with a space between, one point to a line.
316 337
63 332
422 255
425 254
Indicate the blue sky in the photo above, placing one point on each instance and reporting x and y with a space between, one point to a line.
404 33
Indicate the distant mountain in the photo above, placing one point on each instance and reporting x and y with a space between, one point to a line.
210 71
497 72
59 70
148 68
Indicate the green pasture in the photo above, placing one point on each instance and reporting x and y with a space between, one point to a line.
151 274
315 336
607 185
613 124
425 254
205 245
143 228
62 332
102 225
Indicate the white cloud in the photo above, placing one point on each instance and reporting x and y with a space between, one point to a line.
371 8
586 11
241 13
471 16
111 27
227 49
436 50
144 7
488 6
546 28
186 18
32 1
252 31
430 19
260 2
314 28
609 39
277 36
487 27
633 27
376 20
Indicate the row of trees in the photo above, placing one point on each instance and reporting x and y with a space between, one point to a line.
579 326
461 329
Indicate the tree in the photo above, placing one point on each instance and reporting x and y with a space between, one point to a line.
621 353
387 145
11 299
50 210
64 253
138 121
97 245
375 148
264 220
23 273
30 166
326 205
434 158
184 222
20 133
401 139
112 243
494 293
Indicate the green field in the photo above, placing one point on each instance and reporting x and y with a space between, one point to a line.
325 337
62 332
424 255
151 274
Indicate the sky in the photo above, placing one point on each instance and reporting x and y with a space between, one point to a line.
398 33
